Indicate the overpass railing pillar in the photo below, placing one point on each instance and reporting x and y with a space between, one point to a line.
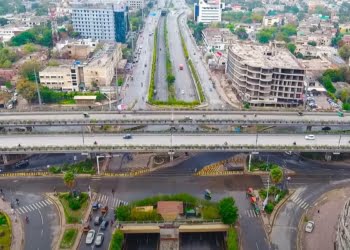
4 159
171 154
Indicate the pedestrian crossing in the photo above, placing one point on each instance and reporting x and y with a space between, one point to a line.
110 201
32 207
299 201
251 213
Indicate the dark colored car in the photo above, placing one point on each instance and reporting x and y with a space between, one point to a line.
98 220
95 206
104 224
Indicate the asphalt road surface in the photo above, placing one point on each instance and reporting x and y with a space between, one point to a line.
12 141
184 85
291 117
161 84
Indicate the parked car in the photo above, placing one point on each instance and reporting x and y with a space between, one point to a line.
99 239
309 137
90 237
98 220
309 226
104 225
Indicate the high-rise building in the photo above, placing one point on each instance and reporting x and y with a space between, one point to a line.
207 11
136 4
265 75
101 21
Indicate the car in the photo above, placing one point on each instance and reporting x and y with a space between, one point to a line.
96 206
86 115
127 136
98 220
90 237
309 226
183 92
309 137
99 239
104 224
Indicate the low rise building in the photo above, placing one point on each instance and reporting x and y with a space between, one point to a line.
270 21
346 40
218 38
265 75
77 49
97 71
10 30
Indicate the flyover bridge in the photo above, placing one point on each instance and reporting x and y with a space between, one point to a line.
170 118
53 143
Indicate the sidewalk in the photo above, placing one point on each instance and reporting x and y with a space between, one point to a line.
17 226
325 214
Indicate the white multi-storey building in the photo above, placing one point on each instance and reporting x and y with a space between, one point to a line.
136 4
263 75
207 11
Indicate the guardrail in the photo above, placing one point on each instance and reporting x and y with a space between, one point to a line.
180 148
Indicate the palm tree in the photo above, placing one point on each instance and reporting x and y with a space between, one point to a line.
276 175
69 179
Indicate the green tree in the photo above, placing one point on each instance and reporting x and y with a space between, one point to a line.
228 210
7 57
28 68
299 55
312 43
231 27
26 89
197 32
69 179
327 83
241 33
123 213
291 47
344 52
276 175
29 48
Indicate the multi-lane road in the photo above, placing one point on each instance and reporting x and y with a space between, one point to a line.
166 117
163 142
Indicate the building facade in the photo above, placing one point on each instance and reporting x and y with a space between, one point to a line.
97 71
136 4
103 22
207 11
265 75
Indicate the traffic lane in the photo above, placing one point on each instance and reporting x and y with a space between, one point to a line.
184 85
221 116
107 232
172 140
161 83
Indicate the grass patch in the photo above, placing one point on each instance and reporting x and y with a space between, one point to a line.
74 207
69 238
5 232
232 239
262 165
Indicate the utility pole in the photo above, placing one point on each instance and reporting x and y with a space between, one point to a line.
37 88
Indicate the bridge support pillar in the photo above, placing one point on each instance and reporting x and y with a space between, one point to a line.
328 156
308 128
4 159
171 154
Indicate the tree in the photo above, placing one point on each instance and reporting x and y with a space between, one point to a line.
228 210
69 179
289 29
299 55
197 33
344 52
7 57
241 33
291 47
276 175
3 21
29 48
123 213
231 27
27 89
312 43
28 68
264 36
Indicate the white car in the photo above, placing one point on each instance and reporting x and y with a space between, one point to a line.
309 226
99 239
183 92
90 237
309 137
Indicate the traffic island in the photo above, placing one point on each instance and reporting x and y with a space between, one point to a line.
5 231
69 238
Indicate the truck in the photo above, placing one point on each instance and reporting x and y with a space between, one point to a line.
181 67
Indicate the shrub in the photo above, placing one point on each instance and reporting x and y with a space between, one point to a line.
232 239
117 240
123 213
75 203
269 207
145 216
3 220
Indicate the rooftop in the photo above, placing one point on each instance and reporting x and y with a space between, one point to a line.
265 56
102 56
